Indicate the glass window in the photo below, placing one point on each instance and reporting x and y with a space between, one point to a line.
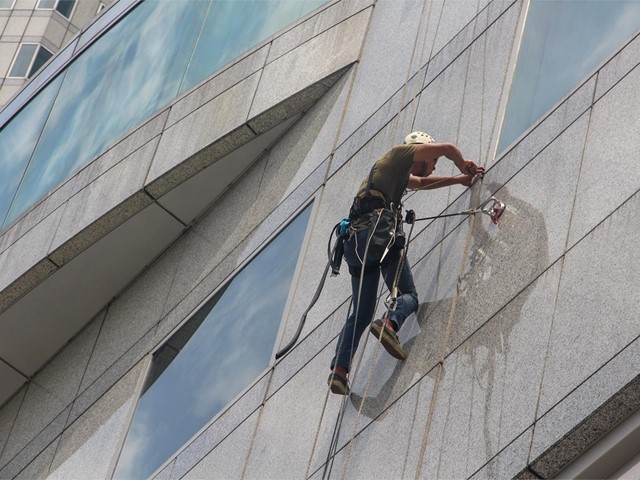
29 59
563 41
143 62
64 7
213 356
23 60
6 4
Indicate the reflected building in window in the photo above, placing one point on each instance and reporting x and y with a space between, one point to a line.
32 31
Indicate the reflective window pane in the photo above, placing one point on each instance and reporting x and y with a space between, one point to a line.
42 57
65 7
131 72
563 42
23 60
213 357
46 3
233 27
17 141
6 4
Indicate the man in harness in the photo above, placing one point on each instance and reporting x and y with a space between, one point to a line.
406 166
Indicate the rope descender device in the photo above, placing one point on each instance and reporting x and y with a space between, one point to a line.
492 207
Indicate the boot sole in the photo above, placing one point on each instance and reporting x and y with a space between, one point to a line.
388 342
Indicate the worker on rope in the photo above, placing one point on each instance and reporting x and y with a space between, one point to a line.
409 165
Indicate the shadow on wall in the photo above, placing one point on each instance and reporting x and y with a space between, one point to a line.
500 262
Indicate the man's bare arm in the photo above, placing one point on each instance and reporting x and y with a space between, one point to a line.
431 151
431 182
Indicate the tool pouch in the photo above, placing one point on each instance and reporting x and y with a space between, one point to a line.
382 233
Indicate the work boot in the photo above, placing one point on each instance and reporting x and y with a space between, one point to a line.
389 339
338 382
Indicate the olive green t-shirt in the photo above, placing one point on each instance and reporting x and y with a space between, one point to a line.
391 173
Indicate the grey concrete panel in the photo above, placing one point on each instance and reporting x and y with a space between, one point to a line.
38 213
385 63
307 348
217 85
315 25
8 414
236 446
204 132
61 377
274 455
587 413
33 248
485 86
165 473
70 246
89 445
36 446
551 125
129 317
595 316
190 199
139 139
10 382
608 175
235 415
489 390
617 67
310 62
110 377
511 462
103 200
110 263
25 283
39 467
439 110
38 410
537 215
389 447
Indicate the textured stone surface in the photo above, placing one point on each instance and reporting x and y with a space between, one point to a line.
274 455
126 322
315 25
617 67
39 467
217 85
36 446
8 414
389 447
74 245
385 63
103 197
237 414
612 145
489 389
311 62
204 132
236 445
587 413
89 445
490 274
597 304
510 462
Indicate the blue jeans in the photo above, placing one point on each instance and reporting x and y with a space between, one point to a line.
407 301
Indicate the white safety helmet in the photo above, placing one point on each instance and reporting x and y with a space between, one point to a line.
418 137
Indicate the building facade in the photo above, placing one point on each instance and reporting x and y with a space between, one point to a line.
32 31
171 179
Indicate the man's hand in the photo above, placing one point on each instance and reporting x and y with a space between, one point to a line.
466 180
470 168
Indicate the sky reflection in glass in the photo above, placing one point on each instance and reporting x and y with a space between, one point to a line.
563 41
213 357
158 50
17 141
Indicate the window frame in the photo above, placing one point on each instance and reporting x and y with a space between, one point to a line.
28 74
148 359
13 4
55 8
